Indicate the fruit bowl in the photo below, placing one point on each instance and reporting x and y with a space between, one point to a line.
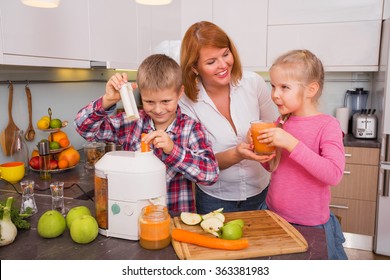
57 170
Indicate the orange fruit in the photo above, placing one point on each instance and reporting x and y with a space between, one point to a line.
64 142
57 136
34 153
71 155
63 163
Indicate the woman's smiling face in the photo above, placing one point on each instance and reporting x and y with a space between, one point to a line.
214 66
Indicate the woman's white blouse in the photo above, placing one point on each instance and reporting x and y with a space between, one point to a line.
249 100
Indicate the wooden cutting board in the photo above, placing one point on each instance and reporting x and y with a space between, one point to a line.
268 235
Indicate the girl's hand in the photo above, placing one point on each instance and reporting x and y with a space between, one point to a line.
278 137
113 86
161 140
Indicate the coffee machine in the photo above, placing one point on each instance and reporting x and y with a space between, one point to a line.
125 182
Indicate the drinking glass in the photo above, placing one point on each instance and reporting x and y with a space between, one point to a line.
28 200
256 128
57 197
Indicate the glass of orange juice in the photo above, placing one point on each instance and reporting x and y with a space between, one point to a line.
256 127
154 227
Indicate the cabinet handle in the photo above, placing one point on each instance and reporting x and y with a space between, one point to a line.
347 172
338 206
348 155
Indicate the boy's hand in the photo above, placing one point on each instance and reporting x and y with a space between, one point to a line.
161 140
113 86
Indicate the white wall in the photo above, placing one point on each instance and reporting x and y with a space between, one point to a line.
65 99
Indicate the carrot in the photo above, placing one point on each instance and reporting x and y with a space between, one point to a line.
209 242
144 147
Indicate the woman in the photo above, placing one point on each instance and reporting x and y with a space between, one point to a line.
225 99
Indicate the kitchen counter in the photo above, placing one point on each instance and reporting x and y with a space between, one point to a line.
351 141
79 186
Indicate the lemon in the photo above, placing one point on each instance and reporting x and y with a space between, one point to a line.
43 124
46 118
55 123
54 145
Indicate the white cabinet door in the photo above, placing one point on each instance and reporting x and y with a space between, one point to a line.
45 37
246 24
193 11
349 46
113 31
159 30
320 11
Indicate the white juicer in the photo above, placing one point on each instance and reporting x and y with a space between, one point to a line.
125 182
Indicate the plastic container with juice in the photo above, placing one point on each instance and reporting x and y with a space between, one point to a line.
154 227
261 148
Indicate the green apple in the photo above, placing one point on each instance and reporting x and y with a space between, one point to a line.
230 231
75 213
239 222
51 224
84 229
212 225
216 213
190 219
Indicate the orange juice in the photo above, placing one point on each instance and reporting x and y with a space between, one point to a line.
154 227
101 201
261 148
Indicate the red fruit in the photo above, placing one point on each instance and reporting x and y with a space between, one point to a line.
53 164
34 162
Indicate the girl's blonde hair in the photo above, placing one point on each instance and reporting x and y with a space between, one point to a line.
302 66
199 35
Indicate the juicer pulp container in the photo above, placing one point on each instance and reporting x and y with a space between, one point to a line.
125 182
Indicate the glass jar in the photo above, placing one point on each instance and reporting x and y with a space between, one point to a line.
154 227
93 152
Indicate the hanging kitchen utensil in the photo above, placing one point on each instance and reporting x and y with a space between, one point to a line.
7 134
30 132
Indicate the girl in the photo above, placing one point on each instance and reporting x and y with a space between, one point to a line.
310 156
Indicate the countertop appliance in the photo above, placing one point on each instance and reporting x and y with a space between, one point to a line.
364 124
381 101
125 182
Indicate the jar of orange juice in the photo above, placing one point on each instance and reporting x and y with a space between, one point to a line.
154 227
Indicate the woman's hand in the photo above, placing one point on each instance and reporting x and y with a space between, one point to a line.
113 86
161 140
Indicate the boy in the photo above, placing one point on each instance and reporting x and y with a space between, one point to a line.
179 141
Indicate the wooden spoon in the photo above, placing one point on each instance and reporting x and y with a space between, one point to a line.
30 132
7 134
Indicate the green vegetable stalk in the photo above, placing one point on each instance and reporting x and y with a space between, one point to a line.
8 230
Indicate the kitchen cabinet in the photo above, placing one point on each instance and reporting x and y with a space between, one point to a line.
354 199
345 35
193 11
45 37
246 24
159 30
113 34
244 21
